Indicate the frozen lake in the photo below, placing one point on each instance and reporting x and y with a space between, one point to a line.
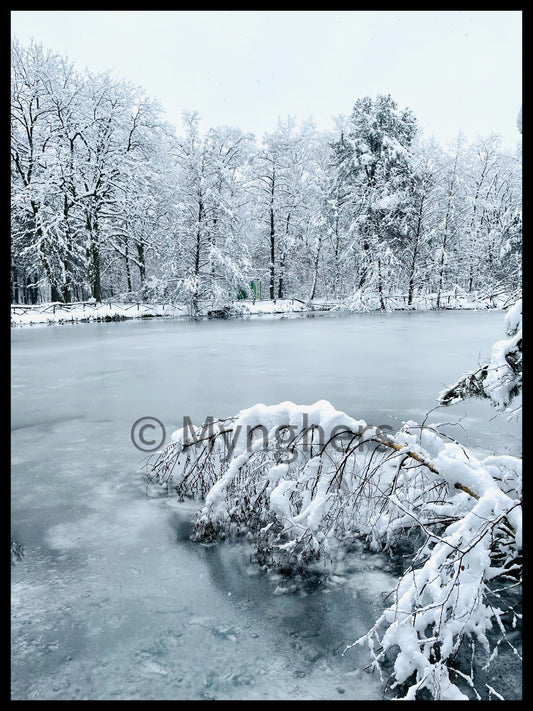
111 599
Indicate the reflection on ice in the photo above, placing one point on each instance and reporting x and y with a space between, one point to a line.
122 595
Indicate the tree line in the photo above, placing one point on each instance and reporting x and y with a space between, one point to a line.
108 200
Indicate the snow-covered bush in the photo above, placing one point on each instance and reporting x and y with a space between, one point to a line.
303 483
500 380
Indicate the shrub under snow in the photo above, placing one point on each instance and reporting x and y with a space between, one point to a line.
500 380
302 483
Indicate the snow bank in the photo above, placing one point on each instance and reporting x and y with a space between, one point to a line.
58 313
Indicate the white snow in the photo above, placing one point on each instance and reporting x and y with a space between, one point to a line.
58 313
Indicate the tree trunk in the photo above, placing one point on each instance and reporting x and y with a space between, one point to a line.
380 287
127 265
94 271
32 292
281 284
68 260
272 243
93 256
412 269
442 260
198 246
15 291
67 287
141 263
280 278
55 293
336 254
449 198
470 276
315 270
364 269
441 269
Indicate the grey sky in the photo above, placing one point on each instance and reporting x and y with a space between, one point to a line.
457 70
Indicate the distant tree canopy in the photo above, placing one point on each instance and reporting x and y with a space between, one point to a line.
108 201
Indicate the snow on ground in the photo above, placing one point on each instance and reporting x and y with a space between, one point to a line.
57 313
50 313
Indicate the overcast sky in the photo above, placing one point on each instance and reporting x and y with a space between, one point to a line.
456 70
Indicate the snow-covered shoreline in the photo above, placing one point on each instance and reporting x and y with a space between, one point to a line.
86 312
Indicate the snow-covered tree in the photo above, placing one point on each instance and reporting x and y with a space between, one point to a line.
419 227
211 259
331 242
104 203
35 247
482 170
295 220
81 166
375 159
272 190
449 219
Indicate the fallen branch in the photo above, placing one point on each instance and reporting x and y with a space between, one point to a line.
306 482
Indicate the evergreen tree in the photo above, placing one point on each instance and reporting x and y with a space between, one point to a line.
375 160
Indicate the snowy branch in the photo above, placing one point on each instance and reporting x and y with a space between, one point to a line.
301 484
500 380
